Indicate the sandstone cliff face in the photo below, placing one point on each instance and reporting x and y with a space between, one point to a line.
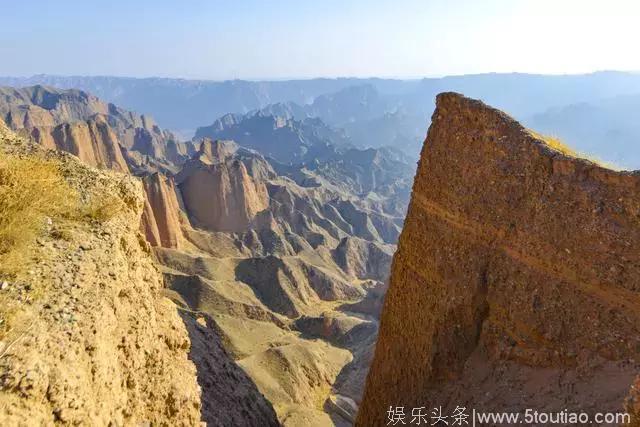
161 215
218 192
95 131
92 141
516 283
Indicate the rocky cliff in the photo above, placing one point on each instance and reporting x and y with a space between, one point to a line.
218 192
516 283
101 134
86 337
161 216
92 140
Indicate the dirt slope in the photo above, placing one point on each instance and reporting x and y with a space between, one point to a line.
517 279
96 343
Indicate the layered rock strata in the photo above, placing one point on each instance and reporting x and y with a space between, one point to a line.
516 283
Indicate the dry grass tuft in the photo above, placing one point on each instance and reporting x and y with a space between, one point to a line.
31 190
102 208
555 143
34 192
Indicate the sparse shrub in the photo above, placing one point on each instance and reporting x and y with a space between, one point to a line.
102 208
31 191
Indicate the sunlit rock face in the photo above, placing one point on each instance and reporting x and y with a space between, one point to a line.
516 283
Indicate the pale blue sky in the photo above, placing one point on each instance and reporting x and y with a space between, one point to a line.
275 39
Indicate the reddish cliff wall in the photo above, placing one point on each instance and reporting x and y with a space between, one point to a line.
93 141
161 215
517 279
222 196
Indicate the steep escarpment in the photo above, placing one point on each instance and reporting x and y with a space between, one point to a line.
92 140
516 283
218 192
101 134
90 339
161 216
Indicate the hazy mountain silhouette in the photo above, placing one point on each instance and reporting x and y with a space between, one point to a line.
375 112
608 129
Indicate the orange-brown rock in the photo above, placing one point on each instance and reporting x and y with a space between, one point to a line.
95 131
218 192
93 141
516 283
161 215
43 106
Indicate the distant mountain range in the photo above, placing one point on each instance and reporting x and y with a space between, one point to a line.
608 129
385 112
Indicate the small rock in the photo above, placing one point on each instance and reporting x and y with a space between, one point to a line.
4 285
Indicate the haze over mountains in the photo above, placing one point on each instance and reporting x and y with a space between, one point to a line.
375 112
273 228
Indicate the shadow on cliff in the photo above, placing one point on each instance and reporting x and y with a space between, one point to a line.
229 396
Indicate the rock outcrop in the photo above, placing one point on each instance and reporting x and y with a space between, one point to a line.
161 216
218 192
95 131
94 341
93 141
363 259
516 283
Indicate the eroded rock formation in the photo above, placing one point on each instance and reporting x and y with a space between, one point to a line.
94 341
93 141
218 192
101 134
161 215
516 283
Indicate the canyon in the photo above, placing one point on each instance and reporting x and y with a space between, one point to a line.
86 336
264 273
